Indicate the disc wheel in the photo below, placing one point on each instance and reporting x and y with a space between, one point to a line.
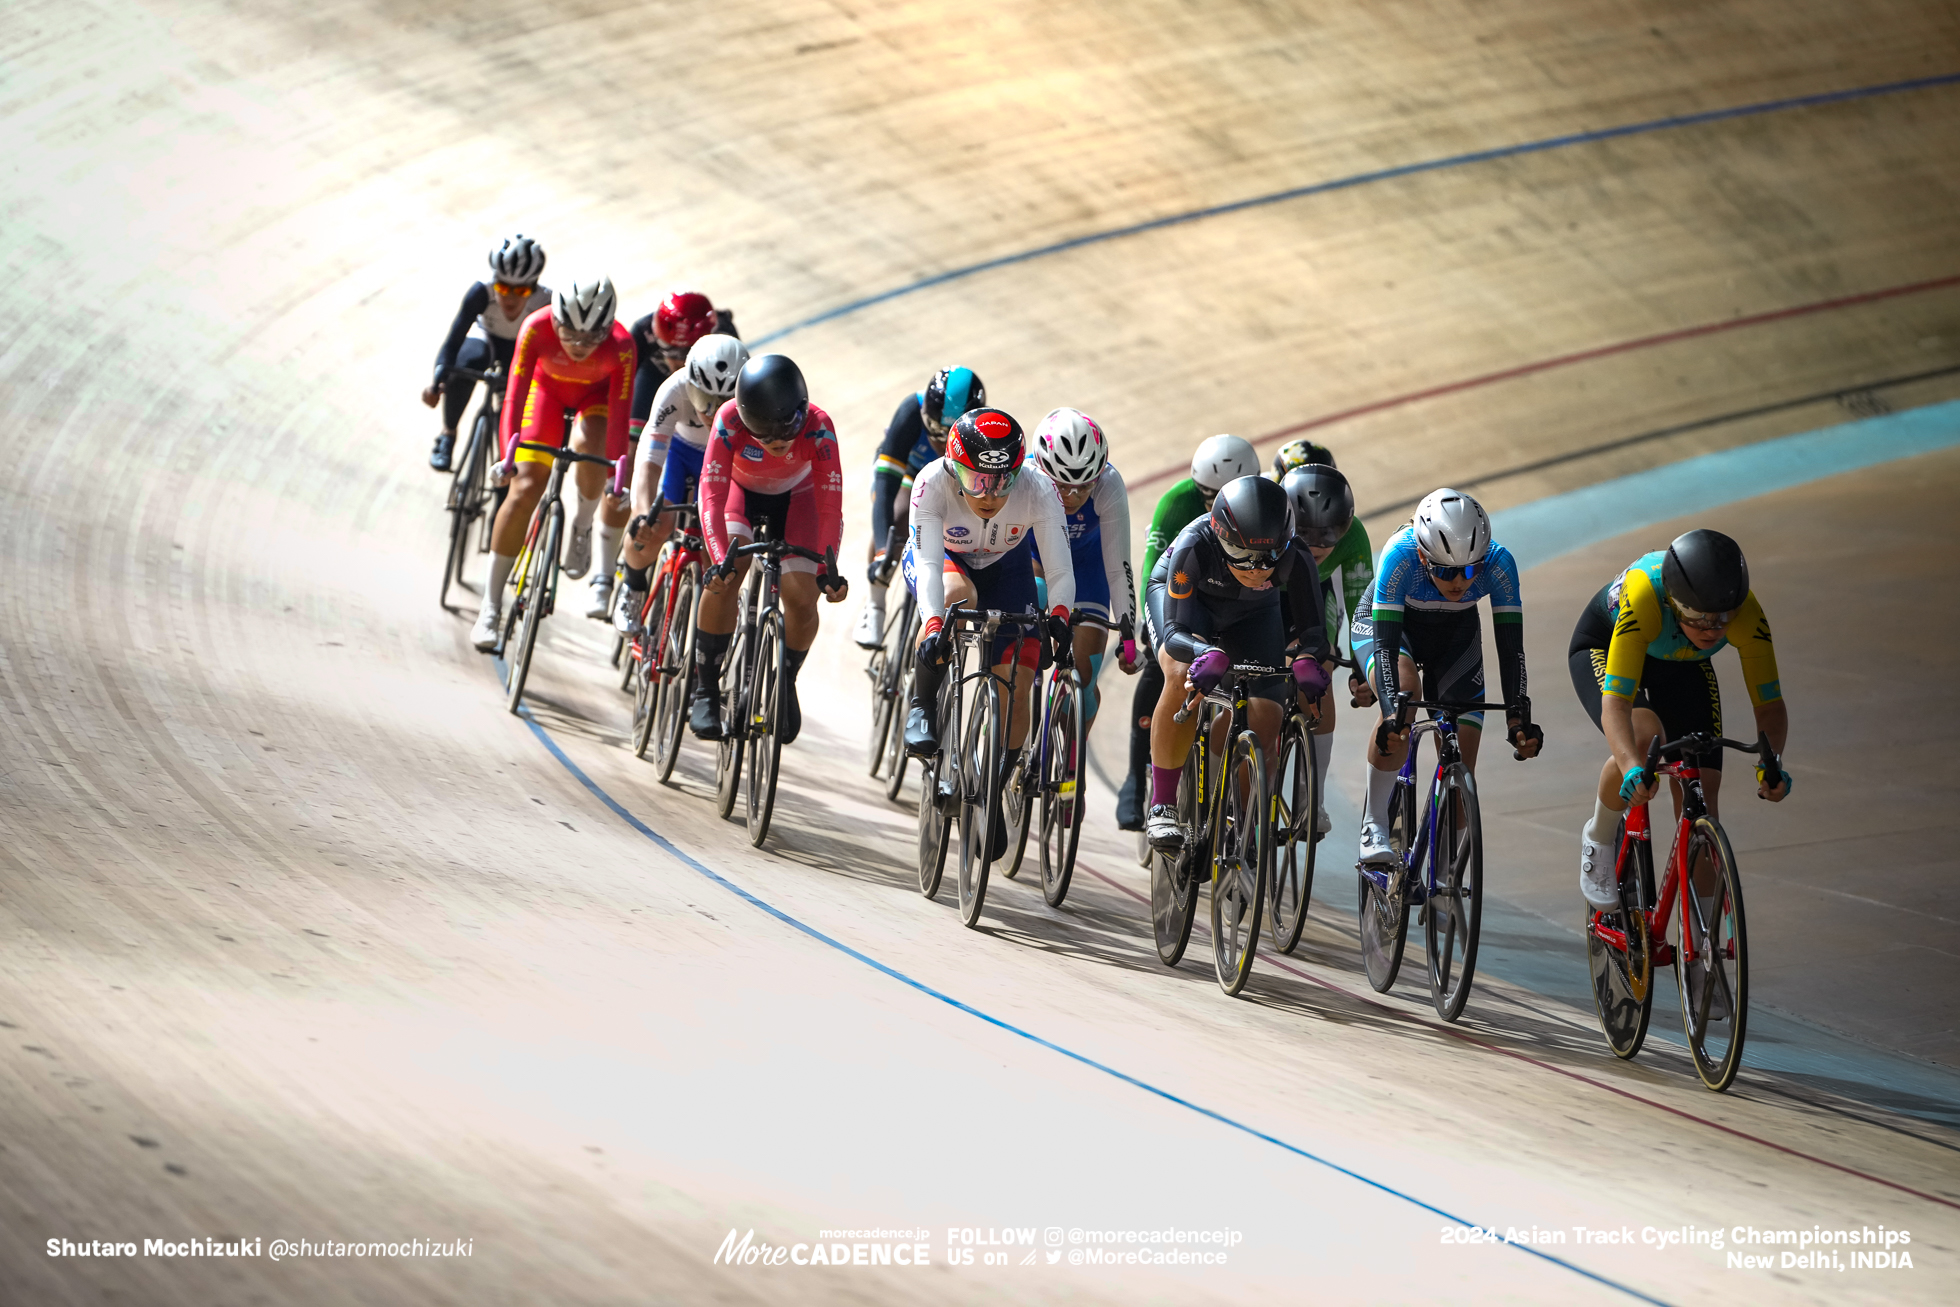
1454 911
1296 798
673 669
1384 917
978 783
1241 853
1622 959
534 594
765 740
1061 792
1714 987
1174 875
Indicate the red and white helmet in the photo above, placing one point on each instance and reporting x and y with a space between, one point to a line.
1070 448
683 318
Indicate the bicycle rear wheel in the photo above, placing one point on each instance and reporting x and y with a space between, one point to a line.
1061 793
1241 856
642 668
1714 987
535 594
1385 916
735 679
979 790
765 742
883 705
1174 876
1020 788
1620 953
936 804
1296 799
1454 912
673 667
465 496
900 670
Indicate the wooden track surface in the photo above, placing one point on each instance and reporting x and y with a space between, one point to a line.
300 934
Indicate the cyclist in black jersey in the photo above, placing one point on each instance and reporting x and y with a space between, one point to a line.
661 340
1235 587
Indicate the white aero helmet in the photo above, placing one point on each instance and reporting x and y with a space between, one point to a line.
1070 448
1452 528
584 308
713 364
518 261
1221 459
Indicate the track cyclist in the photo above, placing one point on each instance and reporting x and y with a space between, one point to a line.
974 513
1071 450
661 340
667 461
1324 521
914 437
485 332
1424 608
1234 587
771 464
1299 453
1218 459
1642 662
574 357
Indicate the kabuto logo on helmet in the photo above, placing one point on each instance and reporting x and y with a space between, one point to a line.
993 459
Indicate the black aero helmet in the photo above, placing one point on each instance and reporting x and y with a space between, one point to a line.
1705 572
1253 519
1323 504
771 398
951 392
984 451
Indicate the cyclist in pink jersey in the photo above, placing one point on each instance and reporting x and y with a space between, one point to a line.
571 358
771 461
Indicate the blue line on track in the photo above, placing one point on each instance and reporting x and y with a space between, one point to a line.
1363 179
696 864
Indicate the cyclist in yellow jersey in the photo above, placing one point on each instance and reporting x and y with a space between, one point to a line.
1640 660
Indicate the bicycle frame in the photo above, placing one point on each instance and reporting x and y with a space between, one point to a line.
683 548
1639 829
1449 753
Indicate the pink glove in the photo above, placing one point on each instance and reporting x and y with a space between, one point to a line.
1128 655
1310 677
1209 669
622 475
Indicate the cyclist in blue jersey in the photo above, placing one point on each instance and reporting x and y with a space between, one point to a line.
1421 620
914 437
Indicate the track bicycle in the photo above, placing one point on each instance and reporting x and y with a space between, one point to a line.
1297 802
890 673
752 678
470 497
660 646
1224 806
1711 965
960 786
536 574
1045 782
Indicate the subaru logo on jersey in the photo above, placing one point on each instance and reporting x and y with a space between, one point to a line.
958 532
752 452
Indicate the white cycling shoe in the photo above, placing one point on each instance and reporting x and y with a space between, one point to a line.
1598 879
1375 847
627 615
488 622
871 627
578 551
599 603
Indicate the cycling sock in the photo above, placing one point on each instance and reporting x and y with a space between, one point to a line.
1323 754
1604 821
1381 791
1163 784
878 597
501 566
793 659
582 515
609 538
926 679
708 652
636 578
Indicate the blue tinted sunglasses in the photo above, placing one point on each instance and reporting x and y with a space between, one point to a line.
1452 573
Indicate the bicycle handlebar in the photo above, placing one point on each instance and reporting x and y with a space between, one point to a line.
889 560
1236 672
827 580
559 453
1702 742
493 377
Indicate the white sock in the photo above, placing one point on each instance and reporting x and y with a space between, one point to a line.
501 566
1381 792
582 515
1323 754
609 538
1604 820
878 597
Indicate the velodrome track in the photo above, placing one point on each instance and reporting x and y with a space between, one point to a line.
302 936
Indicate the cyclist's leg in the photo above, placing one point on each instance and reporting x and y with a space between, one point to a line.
1451 654
715 620
477 356
1586 661
921 717
590 479
1380 767
543 423
1688 699
1091 640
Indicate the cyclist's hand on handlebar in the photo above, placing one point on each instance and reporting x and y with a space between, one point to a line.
716 578
933 644
834 587
1527 739
1778 791
1310 678
1208 669
1638 784
430 394
640 522
1360 693
1129 657
1061 637
1391 733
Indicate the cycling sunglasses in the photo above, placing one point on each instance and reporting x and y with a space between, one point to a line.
583 339
514 288
1252 560
1323 537
983 485
1451 573
1697 619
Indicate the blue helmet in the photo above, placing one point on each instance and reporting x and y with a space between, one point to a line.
950 393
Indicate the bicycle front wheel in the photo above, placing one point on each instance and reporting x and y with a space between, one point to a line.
937 799
1296 798
765 742
1174 875
1241 854
1620 953
642 672
1714 987
883 704
1454 912
1061 792
534 594
465 495
671 646
979 791
1385 914
735 680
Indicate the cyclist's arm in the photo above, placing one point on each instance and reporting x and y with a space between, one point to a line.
1507 621
1635 625
1398 571
524 361
929 549
475 301
619 402
827 478
1112 499
1357 570
890 473
1306 613
713 493
1051 536
1183 607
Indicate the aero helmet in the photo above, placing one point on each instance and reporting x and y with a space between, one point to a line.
584 309
518 261
1299 453
1221 459
1705 573
1452 529
951 392
713 365
984 451
1323 504
1253 520
683 318
770 397
1070 448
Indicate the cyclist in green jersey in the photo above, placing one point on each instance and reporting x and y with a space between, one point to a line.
1299 453
1324 521
1218 460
